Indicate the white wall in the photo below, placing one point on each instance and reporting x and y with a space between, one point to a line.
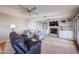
5 22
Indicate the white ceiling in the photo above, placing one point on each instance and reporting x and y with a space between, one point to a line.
51 11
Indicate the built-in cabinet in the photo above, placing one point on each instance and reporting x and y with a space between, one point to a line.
66 29
66 25
53 28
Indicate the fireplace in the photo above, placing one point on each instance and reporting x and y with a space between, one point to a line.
53 30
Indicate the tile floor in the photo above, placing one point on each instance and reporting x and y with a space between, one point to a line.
55 45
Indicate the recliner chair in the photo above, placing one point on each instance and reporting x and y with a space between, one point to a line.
34 49
21 47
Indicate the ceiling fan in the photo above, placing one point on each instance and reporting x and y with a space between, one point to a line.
29 11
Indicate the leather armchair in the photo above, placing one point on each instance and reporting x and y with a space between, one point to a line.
21 49
19 45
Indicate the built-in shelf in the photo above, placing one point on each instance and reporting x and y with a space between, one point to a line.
66 25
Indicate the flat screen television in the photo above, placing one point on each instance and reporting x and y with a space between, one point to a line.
53 23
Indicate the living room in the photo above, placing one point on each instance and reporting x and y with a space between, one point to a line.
55 23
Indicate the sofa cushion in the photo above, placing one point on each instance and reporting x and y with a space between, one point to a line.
35 49
20 43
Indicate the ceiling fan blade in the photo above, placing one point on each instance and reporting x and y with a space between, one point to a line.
22 7
26 9
34 13
33 9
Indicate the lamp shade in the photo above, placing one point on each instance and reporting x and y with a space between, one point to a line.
12 26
